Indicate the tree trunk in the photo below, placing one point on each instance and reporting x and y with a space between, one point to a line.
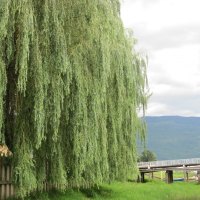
11 98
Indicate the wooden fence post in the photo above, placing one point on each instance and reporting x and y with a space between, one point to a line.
198 177
169 176
142 177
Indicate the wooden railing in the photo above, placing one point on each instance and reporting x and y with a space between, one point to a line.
170 163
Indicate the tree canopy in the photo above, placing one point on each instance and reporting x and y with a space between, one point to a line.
147 156
70 88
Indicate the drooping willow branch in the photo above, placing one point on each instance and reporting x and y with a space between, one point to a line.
70 87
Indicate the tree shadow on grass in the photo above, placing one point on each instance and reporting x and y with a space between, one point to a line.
97 192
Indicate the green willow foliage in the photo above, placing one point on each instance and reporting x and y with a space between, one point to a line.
70 88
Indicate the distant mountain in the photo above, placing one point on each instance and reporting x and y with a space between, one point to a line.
173 137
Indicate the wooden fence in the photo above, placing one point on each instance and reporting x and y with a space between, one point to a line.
6 181
6 187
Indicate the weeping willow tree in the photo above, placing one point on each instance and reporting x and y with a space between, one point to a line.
70 89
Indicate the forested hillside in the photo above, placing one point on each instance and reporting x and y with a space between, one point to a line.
174 137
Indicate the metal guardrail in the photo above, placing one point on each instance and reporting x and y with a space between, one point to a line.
169 163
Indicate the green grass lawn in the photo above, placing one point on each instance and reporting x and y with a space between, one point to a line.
155 190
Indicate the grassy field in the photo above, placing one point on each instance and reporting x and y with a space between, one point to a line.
155 190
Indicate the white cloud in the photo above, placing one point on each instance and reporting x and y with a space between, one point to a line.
169 32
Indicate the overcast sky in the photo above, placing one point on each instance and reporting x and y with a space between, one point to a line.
168 31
